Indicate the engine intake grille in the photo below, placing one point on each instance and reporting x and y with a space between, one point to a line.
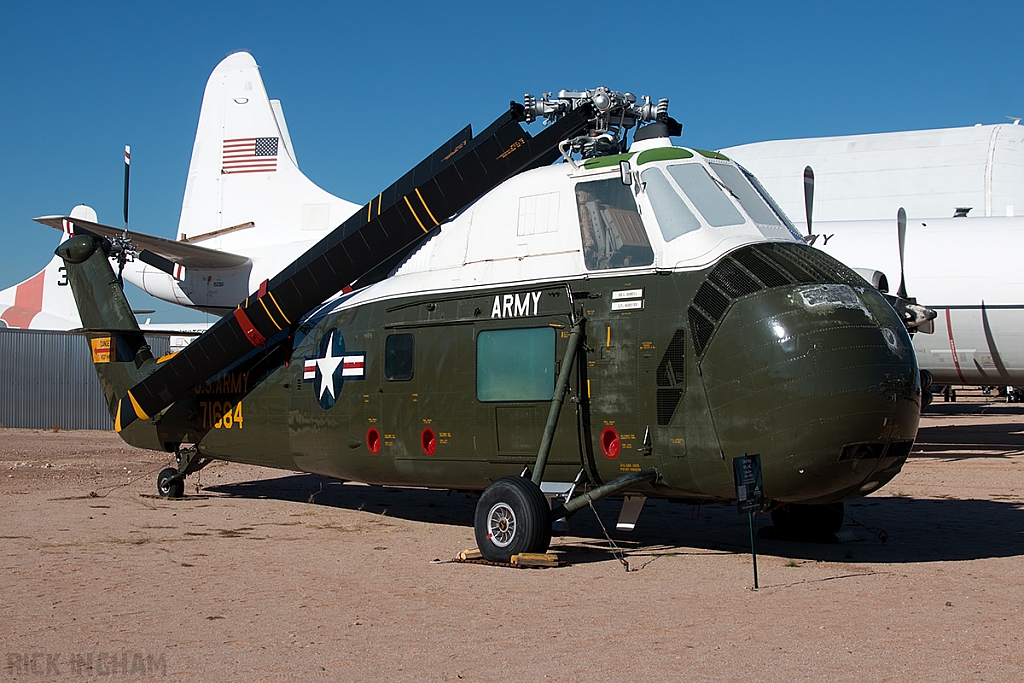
754 268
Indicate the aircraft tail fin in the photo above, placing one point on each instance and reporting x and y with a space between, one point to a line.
119 350
44 301
244 186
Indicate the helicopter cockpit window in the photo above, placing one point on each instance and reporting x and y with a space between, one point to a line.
706 195
750 200
399 352
613 234
674 216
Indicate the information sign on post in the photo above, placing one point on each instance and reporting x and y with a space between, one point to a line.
749 494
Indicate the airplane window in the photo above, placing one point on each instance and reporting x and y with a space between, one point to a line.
613 234
750 200
706 195
399 351
516 365
674 216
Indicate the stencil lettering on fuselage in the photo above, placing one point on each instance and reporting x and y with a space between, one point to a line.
515 305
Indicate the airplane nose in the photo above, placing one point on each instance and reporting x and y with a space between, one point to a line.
819 378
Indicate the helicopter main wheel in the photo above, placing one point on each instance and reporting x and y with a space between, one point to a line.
512 517
808 521
169 484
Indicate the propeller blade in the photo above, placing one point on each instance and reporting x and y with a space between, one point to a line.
809 198
127 174
901 231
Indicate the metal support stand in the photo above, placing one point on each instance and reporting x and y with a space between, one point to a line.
753 552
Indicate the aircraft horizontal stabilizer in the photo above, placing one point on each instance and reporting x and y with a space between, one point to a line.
179 253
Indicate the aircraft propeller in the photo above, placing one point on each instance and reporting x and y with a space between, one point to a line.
809 203
901 234
913 315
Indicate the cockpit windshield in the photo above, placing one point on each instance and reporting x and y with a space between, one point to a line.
706 195
749 198
613 233
674 216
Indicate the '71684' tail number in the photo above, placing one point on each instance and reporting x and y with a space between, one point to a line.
221 414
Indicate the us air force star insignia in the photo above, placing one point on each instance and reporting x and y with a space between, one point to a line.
331 367
327 366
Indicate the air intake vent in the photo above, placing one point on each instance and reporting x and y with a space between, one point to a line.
762 269
711 301
733 280
760 266
701 328
670 377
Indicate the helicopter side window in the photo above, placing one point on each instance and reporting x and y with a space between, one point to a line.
516 365
613 234
750 200
399 352
674 216
706 195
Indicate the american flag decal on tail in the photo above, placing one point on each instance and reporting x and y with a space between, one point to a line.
249 155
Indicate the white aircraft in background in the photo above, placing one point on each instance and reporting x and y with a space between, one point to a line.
247 212
967 269
44 301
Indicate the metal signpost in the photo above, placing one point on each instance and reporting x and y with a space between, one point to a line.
749 494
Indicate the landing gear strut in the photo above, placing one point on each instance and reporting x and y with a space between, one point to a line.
170 483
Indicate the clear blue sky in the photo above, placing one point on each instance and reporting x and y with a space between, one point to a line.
371 89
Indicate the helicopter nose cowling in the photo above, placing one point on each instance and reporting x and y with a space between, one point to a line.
821 380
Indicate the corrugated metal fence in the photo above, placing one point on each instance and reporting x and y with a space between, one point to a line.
47 378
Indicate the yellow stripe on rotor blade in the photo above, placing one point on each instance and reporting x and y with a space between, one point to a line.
117 417
423 201
413 211
278 306
268 313
380 198
141 414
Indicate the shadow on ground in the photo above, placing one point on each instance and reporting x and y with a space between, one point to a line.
947 441
915 530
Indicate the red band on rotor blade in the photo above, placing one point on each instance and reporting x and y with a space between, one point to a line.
249 330
263 289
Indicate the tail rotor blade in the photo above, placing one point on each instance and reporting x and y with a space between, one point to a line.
901 231
127 176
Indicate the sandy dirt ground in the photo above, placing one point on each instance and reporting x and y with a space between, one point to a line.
263 575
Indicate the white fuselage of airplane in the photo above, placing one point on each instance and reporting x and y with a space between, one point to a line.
967 270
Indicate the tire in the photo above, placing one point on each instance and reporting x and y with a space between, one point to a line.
808 520
169 484
512 517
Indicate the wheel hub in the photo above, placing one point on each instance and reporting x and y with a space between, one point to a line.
501 524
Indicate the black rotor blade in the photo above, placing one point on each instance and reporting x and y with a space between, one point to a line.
809 197
127 176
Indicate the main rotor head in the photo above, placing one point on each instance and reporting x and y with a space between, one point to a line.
615 114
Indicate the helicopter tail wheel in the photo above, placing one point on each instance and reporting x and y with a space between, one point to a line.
169 484
512 517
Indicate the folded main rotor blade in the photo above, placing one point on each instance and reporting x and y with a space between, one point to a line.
440 186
